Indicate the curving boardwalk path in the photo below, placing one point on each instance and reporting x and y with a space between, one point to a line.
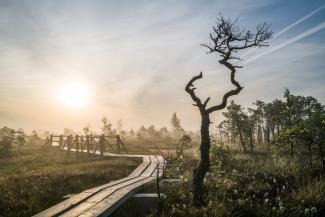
104 199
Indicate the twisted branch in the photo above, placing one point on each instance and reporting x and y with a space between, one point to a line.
190 90
228 39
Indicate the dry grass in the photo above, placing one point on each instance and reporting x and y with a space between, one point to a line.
39 177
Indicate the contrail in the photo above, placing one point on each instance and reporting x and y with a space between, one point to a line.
299 21
291 26
308 32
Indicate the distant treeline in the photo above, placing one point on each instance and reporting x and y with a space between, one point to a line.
9 136
176 130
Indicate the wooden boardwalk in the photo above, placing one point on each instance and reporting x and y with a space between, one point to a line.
104 199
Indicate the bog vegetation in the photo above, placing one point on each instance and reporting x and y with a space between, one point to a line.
266 160
38 177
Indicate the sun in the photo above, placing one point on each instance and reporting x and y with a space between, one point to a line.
74 95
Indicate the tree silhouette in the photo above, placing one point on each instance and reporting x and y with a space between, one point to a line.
227 40
107 126
177 128
238 121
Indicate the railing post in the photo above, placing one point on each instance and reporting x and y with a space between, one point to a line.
51 139
82 143
60 141
69 138
91 143
118 144
158 187
87 144
123 145
102 144
158 192
77 144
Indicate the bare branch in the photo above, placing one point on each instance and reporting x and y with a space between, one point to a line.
213 49
190 90
227 38
206 102
223 104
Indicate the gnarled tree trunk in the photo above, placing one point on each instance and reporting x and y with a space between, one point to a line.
204 163
227 39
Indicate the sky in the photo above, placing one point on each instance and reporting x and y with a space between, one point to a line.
132 59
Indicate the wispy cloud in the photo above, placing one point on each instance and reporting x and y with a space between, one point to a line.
290 41
304 18
136 57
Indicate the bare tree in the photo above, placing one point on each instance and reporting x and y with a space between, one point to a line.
227 40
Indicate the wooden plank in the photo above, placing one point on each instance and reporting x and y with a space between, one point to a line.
139 170
151 168
61 207
109 205
104 199
104 194
107 185
100 196
79 198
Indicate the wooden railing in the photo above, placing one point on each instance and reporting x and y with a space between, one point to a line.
91 143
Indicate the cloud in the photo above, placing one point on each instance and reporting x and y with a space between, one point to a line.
136 57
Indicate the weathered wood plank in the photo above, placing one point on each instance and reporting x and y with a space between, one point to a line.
97 198
149 171
78 198
140 169
103 200
109 205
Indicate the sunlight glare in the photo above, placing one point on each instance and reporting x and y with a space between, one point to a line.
74 95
